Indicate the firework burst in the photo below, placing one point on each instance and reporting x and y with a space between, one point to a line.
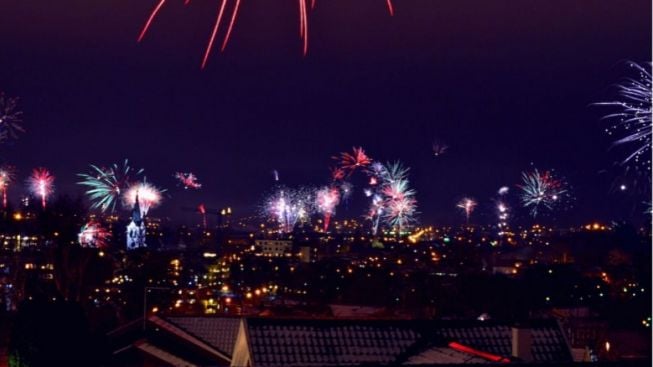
105 185
289 206
400 213
10 118
542 191
93 235
467 205
7 176
326 200
41 184
399 204
188 180
146 195
350 162
631 122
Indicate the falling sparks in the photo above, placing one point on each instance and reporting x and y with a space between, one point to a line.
230 9
631 122
467 205
105 185
188 180
41 184
10 118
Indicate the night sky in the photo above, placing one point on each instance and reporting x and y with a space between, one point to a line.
503 83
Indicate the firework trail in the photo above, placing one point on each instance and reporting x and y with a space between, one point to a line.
542 191
202 210
106 185
41 184
632 120
350 162
7 176
93 235
10 118
275 174
145 194
399 204
326 200
502 215
234 6
289 206
376 212
467 205
188 180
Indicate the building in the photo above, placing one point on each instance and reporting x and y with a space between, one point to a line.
136 228
274 248
258 342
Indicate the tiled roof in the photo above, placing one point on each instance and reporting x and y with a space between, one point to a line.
549 344
444 355
219 332
320 343
163 355
275 342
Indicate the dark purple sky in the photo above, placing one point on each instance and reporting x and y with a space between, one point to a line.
504 83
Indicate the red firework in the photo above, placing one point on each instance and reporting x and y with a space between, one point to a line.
337 174
234 6
352 161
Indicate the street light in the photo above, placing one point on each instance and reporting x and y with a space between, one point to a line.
147 290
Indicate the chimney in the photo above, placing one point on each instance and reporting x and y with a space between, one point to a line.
522 342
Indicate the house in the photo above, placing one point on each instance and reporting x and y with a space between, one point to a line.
270 342
276 342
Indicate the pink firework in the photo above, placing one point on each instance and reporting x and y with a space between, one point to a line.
349 162
7 175
326 201
144 194
41 184
188 180
230 8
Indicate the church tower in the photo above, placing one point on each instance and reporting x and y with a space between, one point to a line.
136 228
